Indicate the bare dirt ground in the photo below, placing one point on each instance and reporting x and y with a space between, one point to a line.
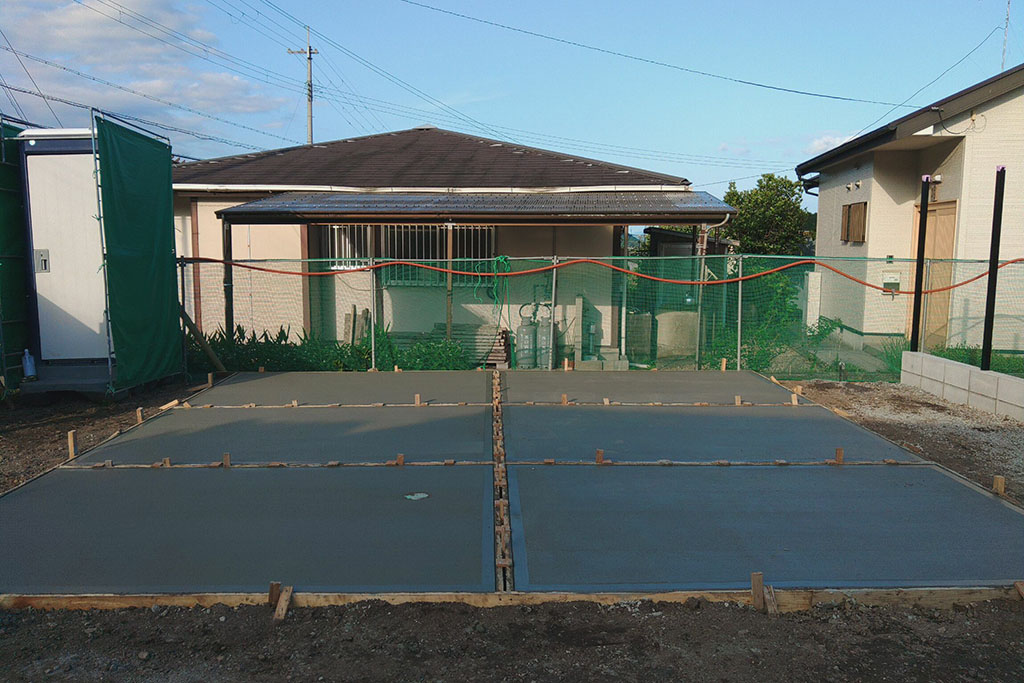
563 642
34 429
555 642
976 444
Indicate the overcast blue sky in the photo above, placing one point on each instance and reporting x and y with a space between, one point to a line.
511 85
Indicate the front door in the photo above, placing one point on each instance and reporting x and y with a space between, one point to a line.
940 238
67 257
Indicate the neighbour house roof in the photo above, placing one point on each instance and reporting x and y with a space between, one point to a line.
919 120
419 158
681 206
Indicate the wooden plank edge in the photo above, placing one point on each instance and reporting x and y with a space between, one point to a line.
791 600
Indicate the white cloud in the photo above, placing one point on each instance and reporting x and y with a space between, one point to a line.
84 39
826 141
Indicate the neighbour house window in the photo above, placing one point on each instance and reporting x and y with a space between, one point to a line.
430 243
854 222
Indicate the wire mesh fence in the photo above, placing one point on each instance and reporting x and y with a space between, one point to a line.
784 316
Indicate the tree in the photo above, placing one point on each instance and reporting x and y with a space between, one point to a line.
769 218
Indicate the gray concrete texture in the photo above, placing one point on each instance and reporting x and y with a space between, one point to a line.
348 388
676 386
304 435
689 434
622 528
182 530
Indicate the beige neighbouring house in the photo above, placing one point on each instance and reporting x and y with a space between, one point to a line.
869 191
418 194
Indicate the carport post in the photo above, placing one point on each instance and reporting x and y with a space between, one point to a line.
993 270
229 292
922 228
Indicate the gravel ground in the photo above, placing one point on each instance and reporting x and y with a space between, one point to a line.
974 443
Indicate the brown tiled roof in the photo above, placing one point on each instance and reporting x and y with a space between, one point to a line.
416 158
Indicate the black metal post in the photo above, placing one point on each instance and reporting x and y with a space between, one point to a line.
993 269
229 292
922 228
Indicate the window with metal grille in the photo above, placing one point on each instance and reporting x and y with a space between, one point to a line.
347 246
430 243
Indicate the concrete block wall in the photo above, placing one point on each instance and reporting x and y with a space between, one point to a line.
956 382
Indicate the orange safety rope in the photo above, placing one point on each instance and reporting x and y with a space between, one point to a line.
564 264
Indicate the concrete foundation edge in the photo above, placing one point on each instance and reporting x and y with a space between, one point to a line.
789 600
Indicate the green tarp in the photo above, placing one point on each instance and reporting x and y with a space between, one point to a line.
13 301
138 226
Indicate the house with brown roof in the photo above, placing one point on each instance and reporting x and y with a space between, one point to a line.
423 194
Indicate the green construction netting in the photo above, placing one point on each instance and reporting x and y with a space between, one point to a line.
135 185
13 306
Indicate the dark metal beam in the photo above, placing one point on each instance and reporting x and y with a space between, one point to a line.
993 269
922 228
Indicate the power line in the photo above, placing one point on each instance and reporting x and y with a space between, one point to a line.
931 82
646 60
138 119
746 177
386 74
10 96
147 96
27 73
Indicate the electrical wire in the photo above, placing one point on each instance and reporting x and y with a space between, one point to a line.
646 60
29 74
930 83
147 96
137 119
10 96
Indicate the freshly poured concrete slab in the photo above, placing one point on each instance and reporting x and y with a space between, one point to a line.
689 434
349 388
621 528
304 435
676 386
189 530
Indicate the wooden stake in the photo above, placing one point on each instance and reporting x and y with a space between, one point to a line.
1019 585
723 365
739 400
999 484
226 460
400 459
565 399
599 457
839 456
794 399
565 365
209 379
262 369
757 591
274 594
398 369
417 400
166 462
139 417
168 406
771 603
72 444
606 401
282 604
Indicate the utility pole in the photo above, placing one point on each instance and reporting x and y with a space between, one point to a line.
1006 30
309 52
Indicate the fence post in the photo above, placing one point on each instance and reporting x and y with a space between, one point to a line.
181 319
993 270
373 315
922 228
739 318
554 299
622 322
